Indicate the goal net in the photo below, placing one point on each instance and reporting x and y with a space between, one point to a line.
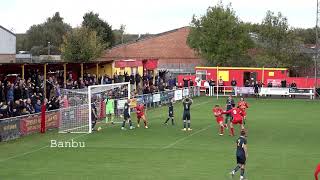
82 107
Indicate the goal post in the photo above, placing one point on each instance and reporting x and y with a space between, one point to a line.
97 90
77 118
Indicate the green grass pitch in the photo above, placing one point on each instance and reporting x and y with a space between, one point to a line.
283 144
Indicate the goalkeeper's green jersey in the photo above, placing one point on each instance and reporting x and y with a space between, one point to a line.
110 104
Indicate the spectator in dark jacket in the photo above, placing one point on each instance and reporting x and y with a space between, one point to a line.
185 82
10 94
37 106
126 77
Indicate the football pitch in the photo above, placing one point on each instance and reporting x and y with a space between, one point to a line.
283 144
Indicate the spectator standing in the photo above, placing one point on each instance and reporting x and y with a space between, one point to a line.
185 82
293 86
171 83
132 82
256 87
269 86
234 85
126 77
138 81
191 89
206 85
121 78
221 84
115 78
283 85
161 85
212 83
191 82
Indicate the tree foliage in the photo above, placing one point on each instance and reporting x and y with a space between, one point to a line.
39 35
81 45
220 37
280 45
308 36
104 30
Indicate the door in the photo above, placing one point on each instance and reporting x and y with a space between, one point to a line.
246 78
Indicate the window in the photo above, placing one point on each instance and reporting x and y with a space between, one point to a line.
202 74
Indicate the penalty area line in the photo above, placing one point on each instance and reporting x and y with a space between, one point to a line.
184 138
35 150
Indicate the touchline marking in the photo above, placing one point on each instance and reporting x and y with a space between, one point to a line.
184 138
36 150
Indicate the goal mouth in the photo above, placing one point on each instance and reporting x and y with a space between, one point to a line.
85 107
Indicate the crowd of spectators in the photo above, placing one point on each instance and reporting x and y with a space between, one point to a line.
25 96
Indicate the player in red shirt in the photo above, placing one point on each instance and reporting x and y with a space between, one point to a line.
243 105
217 111
316 172
141 115
237 118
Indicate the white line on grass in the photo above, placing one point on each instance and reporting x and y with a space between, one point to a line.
170 145
35 150
184 138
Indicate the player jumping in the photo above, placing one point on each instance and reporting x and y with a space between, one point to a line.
126 115
171 115
241 154
237 118
217 111
141 115
109 109
243 105
186 113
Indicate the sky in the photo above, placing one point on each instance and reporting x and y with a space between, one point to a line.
147 16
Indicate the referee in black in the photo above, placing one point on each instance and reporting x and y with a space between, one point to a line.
186 113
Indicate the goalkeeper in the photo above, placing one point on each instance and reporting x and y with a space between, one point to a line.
109 109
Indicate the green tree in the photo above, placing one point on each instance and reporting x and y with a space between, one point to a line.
280 45
52 31
308 35
82 45
104 30
21 42
220 37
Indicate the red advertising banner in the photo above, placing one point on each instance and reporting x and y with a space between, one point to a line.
31 124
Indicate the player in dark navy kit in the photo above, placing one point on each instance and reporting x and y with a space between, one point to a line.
126 115
94 116
229 105
186 113
170 115
241 154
